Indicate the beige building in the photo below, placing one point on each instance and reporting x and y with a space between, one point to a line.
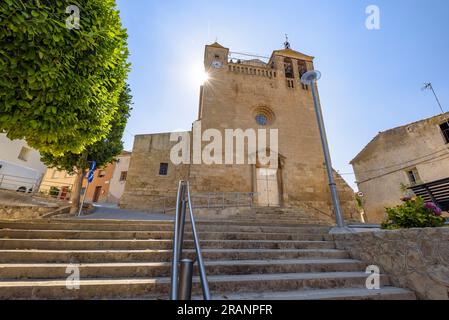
57 184
405 156
244 94
107 187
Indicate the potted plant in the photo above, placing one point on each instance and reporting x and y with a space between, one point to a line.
414 213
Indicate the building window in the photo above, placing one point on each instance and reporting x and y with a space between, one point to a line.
163 169
24 154
261 120
55 174
101 173
123 175
288 67
445 130
263 115
413 176
302 67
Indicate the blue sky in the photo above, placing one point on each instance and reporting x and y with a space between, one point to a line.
371 79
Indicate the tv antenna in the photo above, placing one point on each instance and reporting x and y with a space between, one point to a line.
428 86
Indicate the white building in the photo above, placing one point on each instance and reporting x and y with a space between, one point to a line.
22 158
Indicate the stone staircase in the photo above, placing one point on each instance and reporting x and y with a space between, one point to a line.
252 257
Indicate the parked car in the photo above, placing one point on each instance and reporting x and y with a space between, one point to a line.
18 178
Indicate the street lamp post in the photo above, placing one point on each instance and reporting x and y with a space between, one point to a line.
310 78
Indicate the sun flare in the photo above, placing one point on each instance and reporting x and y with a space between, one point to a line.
200 76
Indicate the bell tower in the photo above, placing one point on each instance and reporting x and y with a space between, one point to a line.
215 57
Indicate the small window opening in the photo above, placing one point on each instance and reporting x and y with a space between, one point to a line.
163 169
101 173
413 176
445 131
24 154
123 175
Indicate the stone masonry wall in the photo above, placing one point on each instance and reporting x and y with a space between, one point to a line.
417 259
145 187
23 212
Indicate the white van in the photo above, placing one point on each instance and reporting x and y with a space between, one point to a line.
18 178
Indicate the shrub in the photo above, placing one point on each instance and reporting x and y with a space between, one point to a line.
413 213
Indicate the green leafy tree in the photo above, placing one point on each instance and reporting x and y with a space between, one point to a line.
103 151
60 85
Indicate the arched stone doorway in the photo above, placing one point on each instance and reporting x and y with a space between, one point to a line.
268 183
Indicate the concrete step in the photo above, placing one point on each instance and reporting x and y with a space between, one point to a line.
99 234
88 256
265 222
90 244
384 293
229 220
163 269
202 227
168 221
83 225
159 287
252 257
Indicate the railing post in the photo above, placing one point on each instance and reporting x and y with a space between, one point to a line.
223 200
185 280
201 266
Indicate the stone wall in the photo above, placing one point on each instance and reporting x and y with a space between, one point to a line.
16 205
23 212
145 187
417 259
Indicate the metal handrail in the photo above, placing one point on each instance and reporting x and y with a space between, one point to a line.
162 204
206 200
181 282
201 267
210 200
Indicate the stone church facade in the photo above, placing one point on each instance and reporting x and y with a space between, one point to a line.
245 94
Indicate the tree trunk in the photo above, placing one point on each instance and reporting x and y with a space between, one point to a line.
75 196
